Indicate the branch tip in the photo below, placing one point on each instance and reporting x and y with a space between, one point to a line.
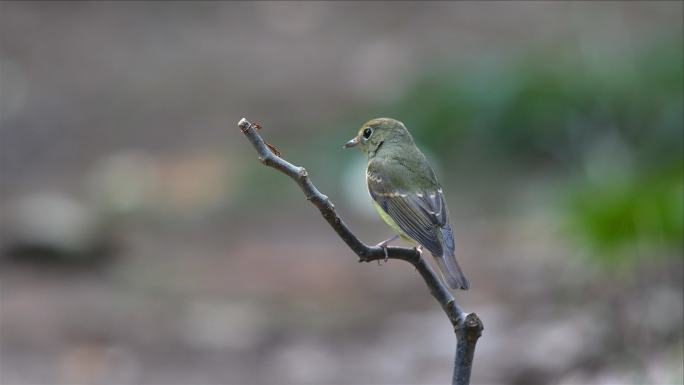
244 124
472 321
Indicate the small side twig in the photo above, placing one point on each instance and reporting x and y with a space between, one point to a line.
467 327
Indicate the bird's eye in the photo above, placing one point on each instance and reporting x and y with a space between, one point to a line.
367 133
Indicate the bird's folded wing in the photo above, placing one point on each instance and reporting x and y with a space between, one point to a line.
420 213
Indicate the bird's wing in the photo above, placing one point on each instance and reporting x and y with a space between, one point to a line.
419 211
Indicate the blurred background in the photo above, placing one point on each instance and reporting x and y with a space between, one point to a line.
143 243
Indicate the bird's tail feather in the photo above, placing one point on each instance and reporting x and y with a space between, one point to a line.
451 271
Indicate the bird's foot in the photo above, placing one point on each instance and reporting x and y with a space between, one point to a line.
384 244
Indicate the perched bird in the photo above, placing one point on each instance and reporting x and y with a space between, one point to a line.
407 194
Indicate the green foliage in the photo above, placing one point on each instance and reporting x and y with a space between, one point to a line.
618 218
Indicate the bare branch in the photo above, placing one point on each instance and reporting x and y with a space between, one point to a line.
468 328
467 334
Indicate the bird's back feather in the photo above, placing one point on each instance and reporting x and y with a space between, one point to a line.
416 210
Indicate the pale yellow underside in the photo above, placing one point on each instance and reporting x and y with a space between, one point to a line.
391 223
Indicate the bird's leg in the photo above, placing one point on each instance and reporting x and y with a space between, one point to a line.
419 249
384 244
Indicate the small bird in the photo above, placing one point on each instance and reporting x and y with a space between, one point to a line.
407 194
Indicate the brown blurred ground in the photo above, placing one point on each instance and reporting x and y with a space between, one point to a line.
175 258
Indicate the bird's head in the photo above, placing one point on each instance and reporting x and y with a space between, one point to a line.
380 132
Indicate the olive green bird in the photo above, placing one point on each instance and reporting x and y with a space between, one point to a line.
407 194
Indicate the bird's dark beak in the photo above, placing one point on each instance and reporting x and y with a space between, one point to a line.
352 143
